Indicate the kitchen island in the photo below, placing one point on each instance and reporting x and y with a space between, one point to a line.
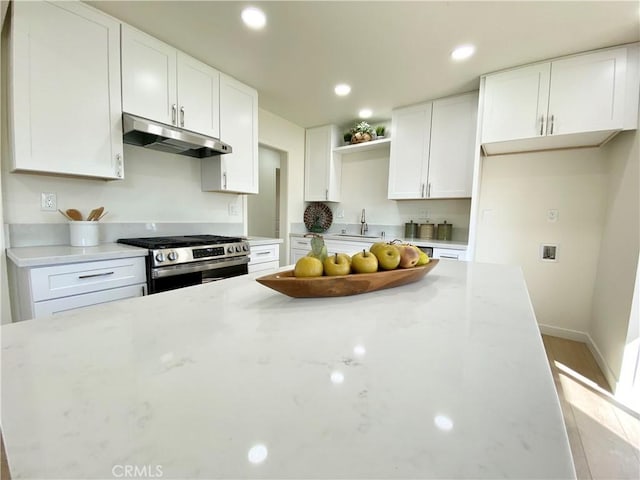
445 377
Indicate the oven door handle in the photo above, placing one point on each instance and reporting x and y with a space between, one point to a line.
173 270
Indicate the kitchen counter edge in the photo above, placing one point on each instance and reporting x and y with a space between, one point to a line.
41 256
420 242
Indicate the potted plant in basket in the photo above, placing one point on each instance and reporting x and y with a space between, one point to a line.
362 132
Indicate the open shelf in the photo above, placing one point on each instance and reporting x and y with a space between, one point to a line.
364 146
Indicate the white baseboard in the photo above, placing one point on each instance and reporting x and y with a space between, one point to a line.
591 345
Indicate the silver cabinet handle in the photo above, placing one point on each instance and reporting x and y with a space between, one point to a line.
224 180
182 116
422 190
541 125
118 165
263 253
551 132
429 190
91 275
326 194
173 114
303 243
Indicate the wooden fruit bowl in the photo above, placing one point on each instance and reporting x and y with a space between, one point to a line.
340 286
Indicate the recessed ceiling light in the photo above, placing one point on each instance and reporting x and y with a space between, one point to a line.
463 52
365 113
254 18
342 89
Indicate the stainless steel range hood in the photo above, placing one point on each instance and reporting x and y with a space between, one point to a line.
166 138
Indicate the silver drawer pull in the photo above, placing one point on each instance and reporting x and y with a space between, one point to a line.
302 243
263 253
96 275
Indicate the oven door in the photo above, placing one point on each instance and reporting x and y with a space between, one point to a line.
171 277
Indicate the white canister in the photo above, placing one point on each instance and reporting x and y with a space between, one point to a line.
83 234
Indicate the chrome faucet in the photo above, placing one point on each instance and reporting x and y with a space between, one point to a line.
363 224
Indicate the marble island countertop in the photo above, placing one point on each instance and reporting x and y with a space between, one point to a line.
443 378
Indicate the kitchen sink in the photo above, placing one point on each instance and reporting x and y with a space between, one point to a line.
355 235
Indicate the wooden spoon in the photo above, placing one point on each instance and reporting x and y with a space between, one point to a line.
97 213
91 215
74 214
65 215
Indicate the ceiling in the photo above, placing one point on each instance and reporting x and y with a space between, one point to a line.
392 53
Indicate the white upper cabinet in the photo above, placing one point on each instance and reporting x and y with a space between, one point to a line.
237 171
432 149
163 84
64 90
582 100
322 167
453 139
409 156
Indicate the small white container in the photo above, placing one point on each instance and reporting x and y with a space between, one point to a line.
83 234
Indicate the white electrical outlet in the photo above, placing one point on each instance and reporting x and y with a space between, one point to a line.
48 202
552 215
339 212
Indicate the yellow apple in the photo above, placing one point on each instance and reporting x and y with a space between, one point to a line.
337 264
388 256
308 267
364 262
423 258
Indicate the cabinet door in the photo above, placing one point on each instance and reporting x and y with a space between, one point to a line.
148 77
587 93
198 96
322 169
65 304
409 156
515 103
239 128
65 114
453 138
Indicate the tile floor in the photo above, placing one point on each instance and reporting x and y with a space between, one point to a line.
604 435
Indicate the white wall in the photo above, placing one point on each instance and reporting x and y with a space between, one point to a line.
262 208
5 310
617 263
516 193
158 187
365 179
281 134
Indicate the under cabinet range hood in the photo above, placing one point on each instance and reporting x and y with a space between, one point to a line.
166 138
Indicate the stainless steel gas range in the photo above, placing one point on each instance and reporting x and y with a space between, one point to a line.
181 261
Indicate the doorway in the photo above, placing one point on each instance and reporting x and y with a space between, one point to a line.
265 210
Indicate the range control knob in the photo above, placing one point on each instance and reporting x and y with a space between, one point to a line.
245 248
172 256
230 250
237 248
160 257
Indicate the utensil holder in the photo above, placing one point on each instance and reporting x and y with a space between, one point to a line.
83 234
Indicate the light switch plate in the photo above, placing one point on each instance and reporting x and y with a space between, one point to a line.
552 215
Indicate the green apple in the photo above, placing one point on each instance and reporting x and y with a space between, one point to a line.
388 256
337 265
364 262
409 256
308 267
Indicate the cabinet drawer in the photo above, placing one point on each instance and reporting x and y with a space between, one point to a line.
449 253
59 305
78 278
301 243
263 267
264 253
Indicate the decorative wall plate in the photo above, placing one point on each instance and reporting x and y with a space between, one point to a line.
318 217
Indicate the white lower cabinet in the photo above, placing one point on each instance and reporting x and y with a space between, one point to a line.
264 258
299 247
44 291
350 248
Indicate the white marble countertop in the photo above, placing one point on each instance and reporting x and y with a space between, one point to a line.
57 254
371 239
263 240
443 378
